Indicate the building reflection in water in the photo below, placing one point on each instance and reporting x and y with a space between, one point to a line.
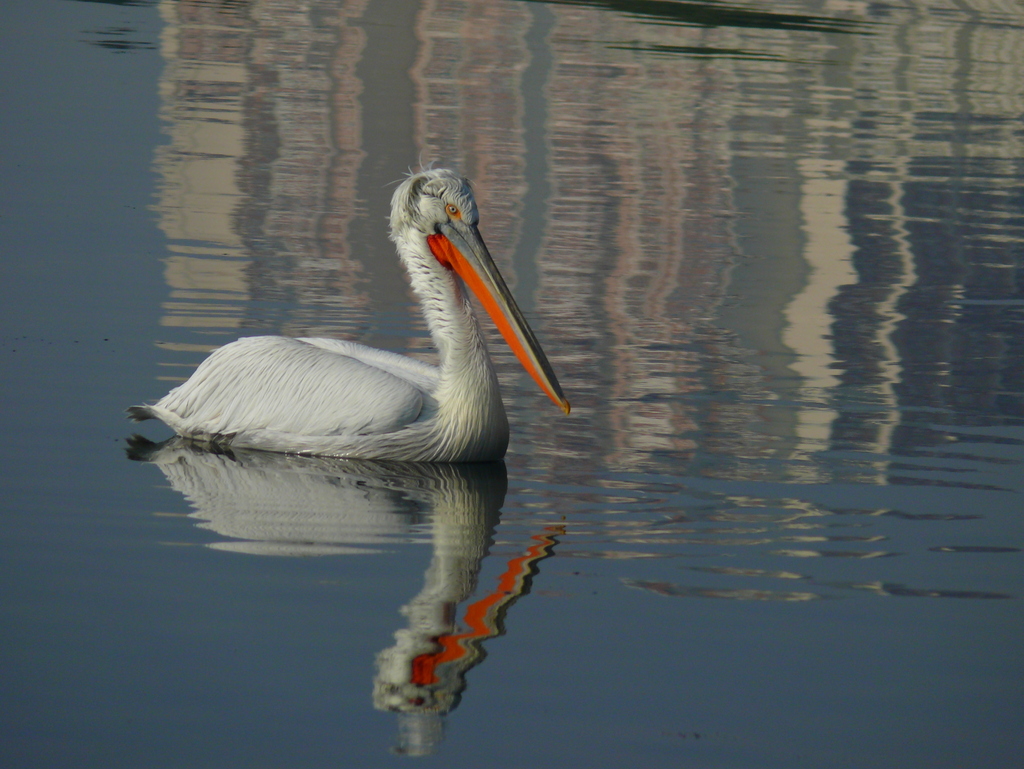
868 228
742 257
280 505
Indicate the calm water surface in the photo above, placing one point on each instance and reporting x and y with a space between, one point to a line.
774 253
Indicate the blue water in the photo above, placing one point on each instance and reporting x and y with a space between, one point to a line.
774 254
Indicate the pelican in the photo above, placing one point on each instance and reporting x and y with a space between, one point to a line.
330 397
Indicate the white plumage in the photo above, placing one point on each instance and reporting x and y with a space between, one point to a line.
335 398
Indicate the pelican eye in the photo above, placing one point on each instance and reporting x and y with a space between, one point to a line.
453 211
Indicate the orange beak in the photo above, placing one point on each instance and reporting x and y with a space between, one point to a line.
459 246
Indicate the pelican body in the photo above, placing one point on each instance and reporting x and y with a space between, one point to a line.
335 398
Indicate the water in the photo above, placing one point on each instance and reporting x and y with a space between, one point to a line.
774 254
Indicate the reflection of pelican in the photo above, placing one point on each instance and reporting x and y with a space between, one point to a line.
422 676
274 504
324 396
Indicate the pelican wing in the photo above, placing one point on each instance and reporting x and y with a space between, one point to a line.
294 387
423 375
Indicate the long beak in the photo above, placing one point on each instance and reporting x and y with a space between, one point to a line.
459 246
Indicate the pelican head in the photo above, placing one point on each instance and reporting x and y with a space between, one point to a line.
430 198
434 226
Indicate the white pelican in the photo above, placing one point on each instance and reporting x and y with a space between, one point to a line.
335 398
